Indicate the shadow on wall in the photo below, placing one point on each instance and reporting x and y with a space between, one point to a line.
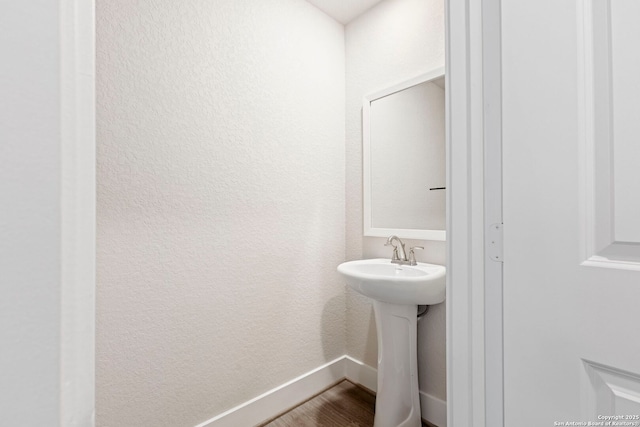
333 312
371 349
432 360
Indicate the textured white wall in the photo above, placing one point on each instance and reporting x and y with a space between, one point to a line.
395 40
221 207
30 248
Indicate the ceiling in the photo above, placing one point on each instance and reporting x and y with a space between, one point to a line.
343 10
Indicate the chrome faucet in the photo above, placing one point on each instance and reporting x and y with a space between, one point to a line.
399 255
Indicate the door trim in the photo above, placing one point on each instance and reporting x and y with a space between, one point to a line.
78 212
493 274
474 201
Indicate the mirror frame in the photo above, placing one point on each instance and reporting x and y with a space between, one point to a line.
369 230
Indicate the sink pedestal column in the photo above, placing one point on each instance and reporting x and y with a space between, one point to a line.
397 400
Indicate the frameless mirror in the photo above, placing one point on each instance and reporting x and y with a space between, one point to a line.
404 159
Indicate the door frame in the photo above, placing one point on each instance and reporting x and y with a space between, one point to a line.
78 212
474 209
474 202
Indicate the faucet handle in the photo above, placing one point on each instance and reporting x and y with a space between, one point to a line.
412 255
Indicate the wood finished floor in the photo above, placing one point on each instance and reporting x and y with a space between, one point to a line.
343 405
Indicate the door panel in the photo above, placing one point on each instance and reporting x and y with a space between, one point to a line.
609 101
612 392
571 132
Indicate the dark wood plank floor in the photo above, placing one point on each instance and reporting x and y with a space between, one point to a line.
343 405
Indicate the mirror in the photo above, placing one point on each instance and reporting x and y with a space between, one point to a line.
404 159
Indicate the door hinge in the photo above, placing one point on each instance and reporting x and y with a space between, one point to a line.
494 242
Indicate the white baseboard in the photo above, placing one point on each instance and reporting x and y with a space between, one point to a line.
282 398
433 409
296 391
359 373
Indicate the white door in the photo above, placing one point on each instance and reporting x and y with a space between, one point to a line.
571 194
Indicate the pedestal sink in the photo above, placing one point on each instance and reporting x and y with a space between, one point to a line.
397 290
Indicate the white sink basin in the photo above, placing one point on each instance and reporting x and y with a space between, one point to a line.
422 284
